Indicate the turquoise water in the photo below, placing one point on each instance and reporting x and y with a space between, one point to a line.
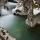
17 28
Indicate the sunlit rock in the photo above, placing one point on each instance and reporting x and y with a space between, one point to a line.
19 10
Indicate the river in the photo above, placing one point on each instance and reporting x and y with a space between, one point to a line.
17 28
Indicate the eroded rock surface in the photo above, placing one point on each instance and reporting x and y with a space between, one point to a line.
4 35
32 19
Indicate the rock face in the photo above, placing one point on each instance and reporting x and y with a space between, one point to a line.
32 19
23 6
4 35
27 10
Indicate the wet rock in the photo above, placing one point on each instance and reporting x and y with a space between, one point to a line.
23 6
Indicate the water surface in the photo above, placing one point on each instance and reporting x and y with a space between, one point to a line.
17 28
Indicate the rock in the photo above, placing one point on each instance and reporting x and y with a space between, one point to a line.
4 35
32 19
20 8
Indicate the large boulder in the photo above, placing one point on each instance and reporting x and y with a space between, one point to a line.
27 8
33 16
23 6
